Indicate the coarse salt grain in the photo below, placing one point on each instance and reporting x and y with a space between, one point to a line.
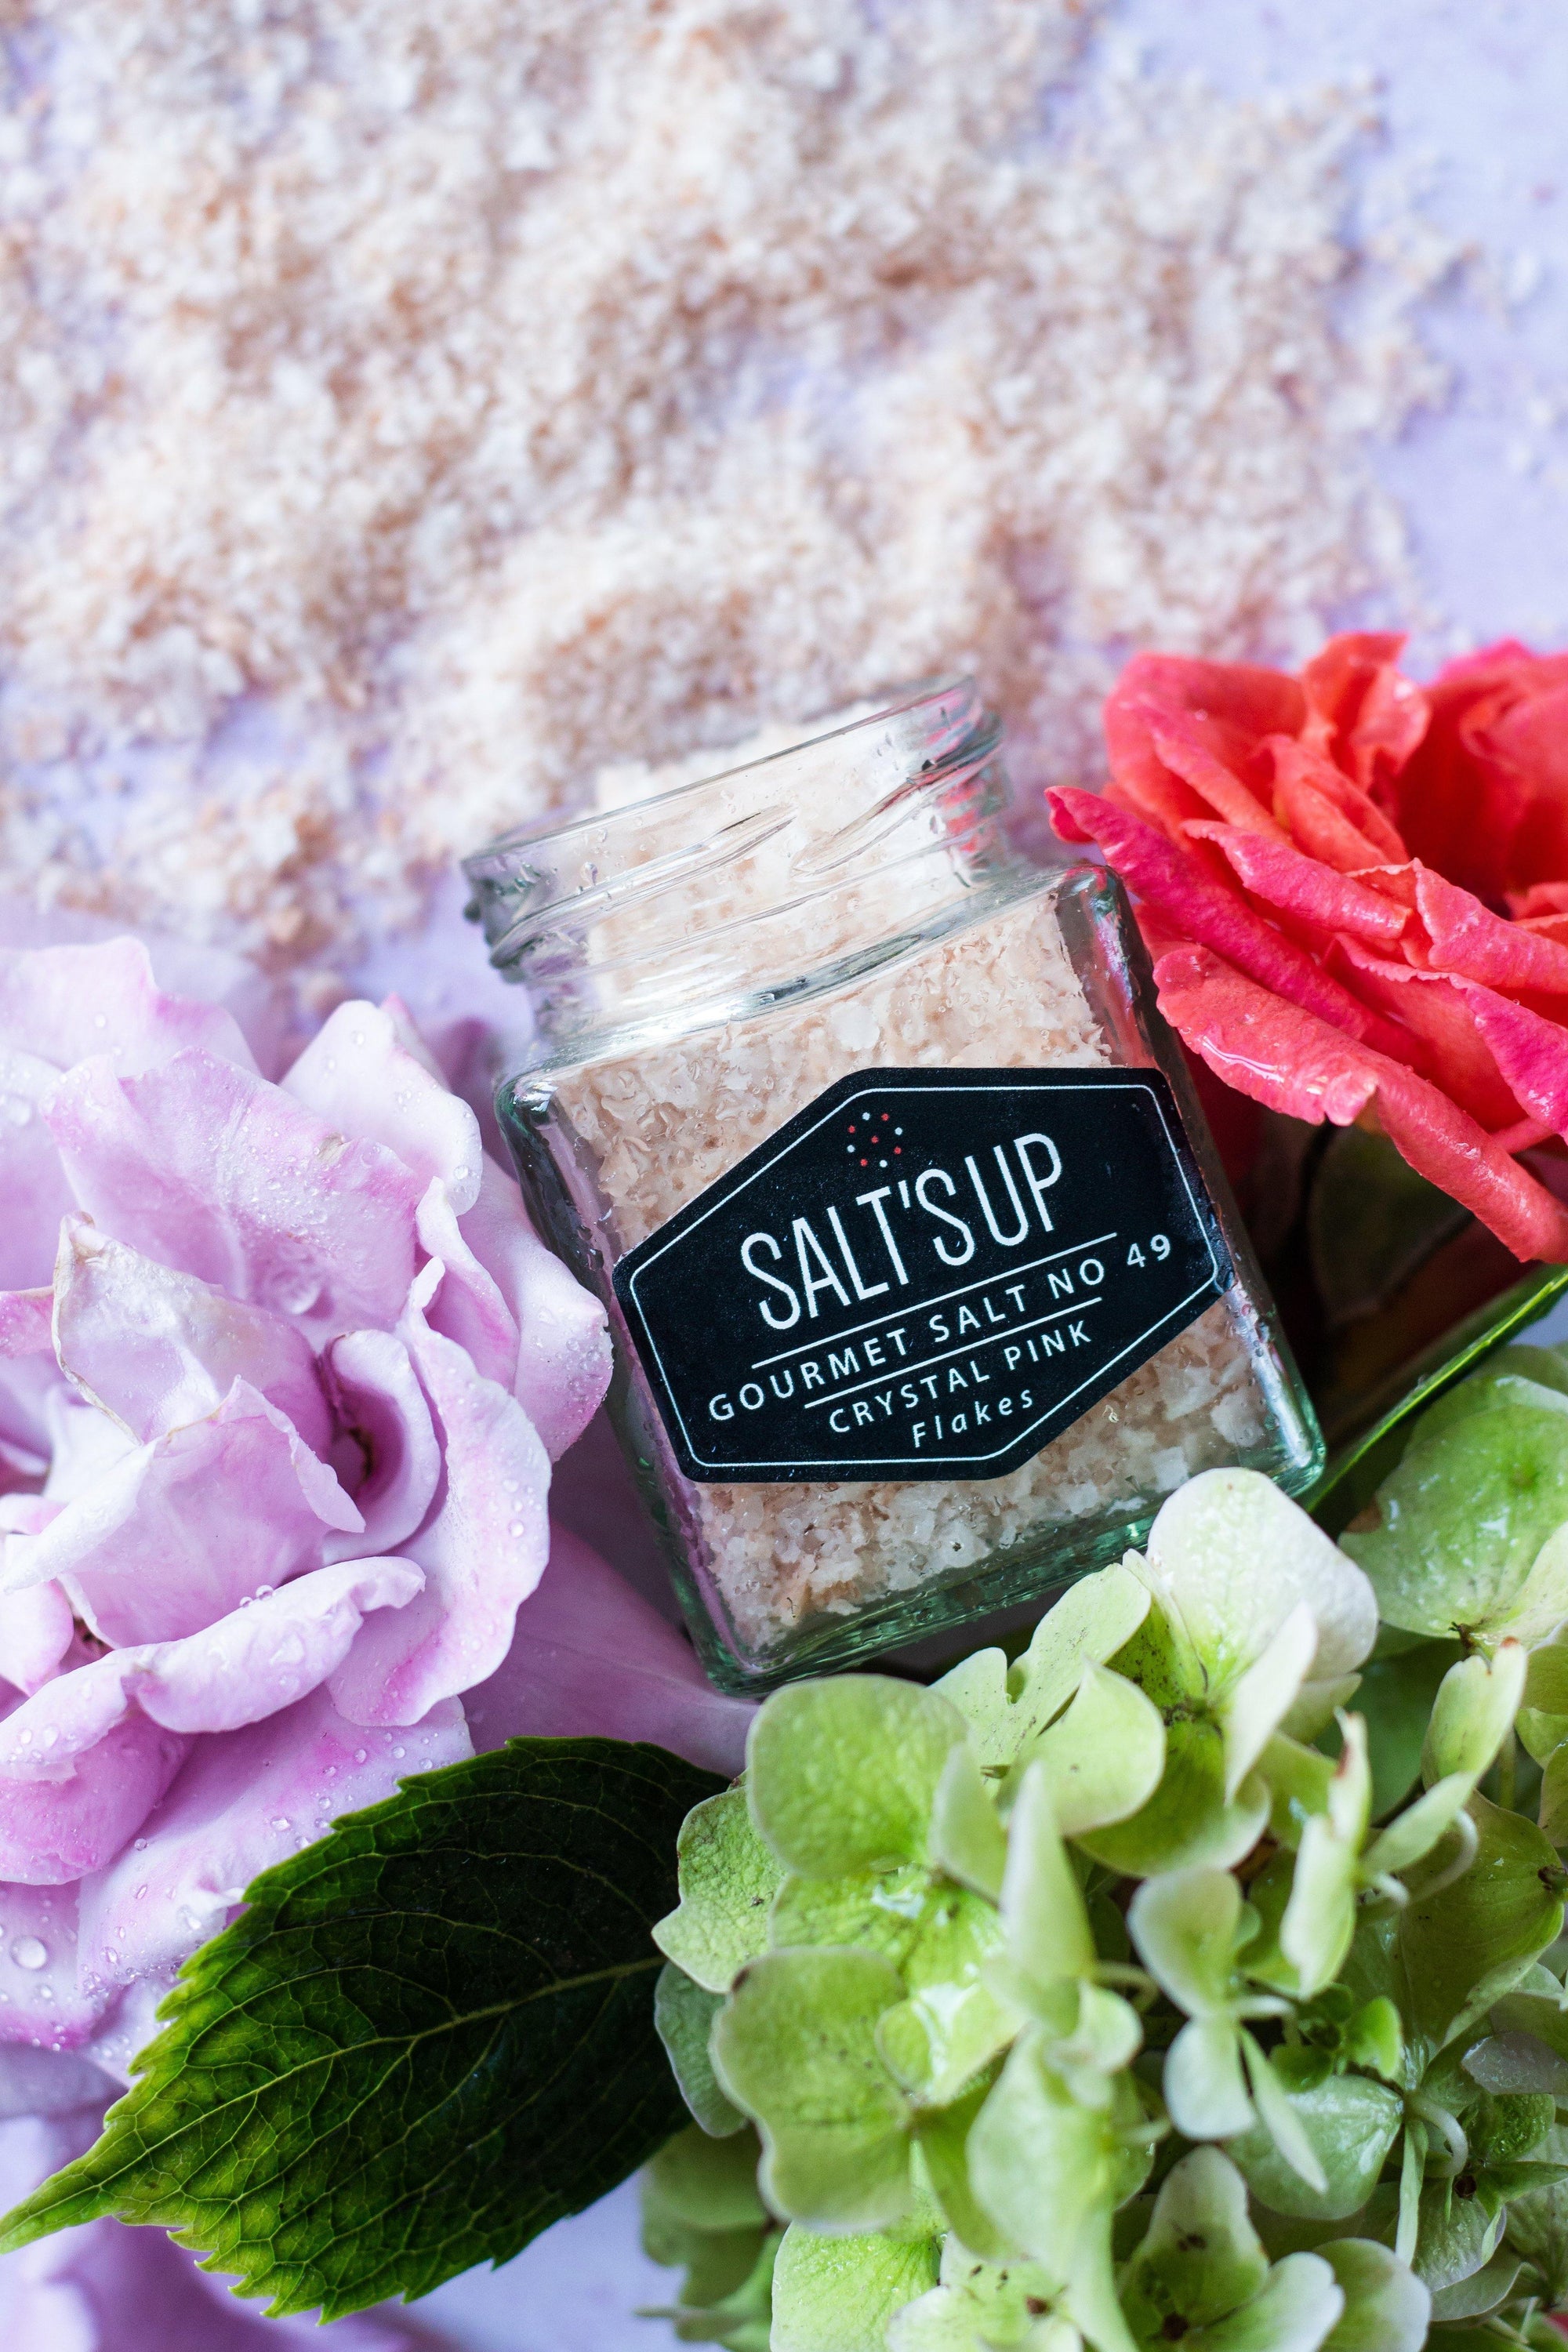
409 407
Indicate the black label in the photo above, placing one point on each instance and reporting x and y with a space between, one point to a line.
927 1274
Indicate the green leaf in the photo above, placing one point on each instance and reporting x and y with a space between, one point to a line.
706 2184
844 2291
1104 1756
979 2306
1046 2168
841 1774
1483 2291
726 1878
886 1910
1204 2084
1353 1476
1459 2234
1473 1712
684 2012
1350 2124
1538 2225
1544 1715
1374 2039
1188 1821
1042 1909
1299 2302
795 2047
1201 2257
1396 1698
1007 1709
1186 1925
1387 2306
1319 1918
1411 1835
967 1840
706 2218
428 2036
1462 1518
1506 1909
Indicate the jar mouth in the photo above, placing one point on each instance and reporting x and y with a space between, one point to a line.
934 695
752 876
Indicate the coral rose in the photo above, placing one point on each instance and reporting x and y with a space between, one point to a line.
1355 891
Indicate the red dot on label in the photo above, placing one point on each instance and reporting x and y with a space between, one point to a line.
887 1114
865 1164
897 1148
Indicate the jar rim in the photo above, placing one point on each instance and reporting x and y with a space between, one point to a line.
489 861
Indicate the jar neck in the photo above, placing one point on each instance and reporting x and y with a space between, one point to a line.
750 882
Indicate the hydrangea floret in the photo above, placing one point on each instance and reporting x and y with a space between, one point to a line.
1191 1976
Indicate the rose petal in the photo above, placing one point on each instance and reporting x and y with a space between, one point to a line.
42 1999
482 1553
1283 1056
1309 799
1468 939
362 1075
52 1831
157 1349
1438 1010
69 1005
28 1375
37 1628
1361 712
1209 912
246 1800
180 1530
379 1399
32 1181
83 1444
1182 751
1531 1051
468 1307
1303 886
252 1663
565 1356
1226 706
591 1659
214 1171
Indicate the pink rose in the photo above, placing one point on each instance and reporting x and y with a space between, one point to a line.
282 1370
1354 892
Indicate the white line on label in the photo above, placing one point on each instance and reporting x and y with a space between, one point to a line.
970 1347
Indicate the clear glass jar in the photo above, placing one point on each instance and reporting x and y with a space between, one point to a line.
745 991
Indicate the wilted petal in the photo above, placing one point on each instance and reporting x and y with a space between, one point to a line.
69 1004
157 1349
565 1356
367 1073
211 1169
252 1663
468 1306
379 1402
591 1659
482 1553
52 1831
246 1800
181 1530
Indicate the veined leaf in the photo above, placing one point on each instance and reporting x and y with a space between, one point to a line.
428 2037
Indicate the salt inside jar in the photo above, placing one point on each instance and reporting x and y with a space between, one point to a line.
925 1284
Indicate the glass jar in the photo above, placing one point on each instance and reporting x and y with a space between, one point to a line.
925 1283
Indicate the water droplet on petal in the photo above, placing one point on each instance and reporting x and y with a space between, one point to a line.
28 1953
358 1755
400 1752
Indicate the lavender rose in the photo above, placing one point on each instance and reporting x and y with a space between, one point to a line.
282 1370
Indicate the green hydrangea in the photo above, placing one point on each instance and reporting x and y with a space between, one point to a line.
1193 1976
